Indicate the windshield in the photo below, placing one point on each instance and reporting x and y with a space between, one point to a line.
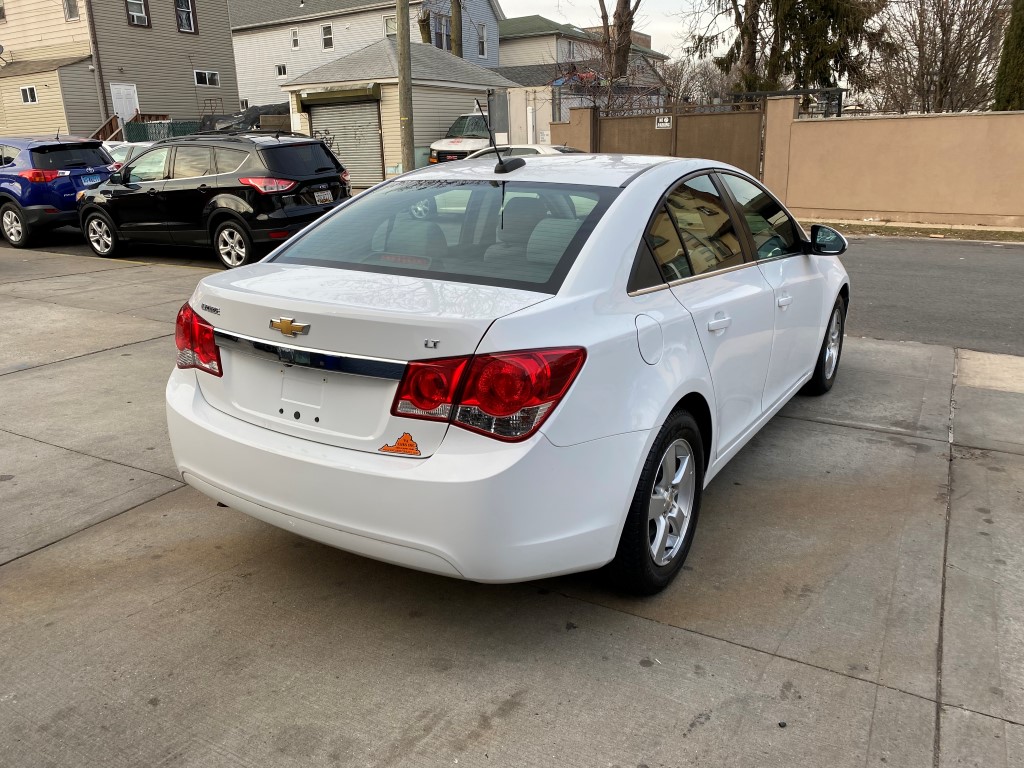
301 159
60 157
468 127
503 233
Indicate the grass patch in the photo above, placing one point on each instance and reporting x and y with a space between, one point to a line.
884 230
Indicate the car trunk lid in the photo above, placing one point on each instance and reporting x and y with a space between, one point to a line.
318 353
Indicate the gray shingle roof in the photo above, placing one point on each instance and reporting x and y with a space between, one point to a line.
538 26
531 75
251 13
35 66
379 61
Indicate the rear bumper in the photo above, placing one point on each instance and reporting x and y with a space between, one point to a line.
476 509
281 224
37 216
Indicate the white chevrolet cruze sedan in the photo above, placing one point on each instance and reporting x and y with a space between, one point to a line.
503 373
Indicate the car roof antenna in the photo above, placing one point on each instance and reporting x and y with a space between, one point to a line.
503 166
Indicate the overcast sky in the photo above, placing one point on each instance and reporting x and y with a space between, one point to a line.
655 16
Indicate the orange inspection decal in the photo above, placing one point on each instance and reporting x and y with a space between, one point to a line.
404 445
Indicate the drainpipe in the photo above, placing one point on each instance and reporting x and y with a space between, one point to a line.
97 69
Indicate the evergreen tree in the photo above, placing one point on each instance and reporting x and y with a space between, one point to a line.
1010 78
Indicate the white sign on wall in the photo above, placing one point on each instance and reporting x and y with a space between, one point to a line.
663 121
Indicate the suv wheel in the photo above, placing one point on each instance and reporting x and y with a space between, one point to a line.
233 244
15 228
100 234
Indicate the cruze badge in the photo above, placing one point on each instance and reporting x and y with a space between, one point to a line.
288 326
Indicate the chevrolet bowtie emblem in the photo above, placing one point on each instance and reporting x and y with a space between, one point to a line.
288 326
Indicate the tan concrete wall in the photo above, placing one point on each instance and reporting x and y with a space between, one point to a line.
941 169
578 132
728 137
633 136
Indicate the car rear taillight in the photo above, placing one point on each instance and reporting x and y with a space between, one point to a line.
344 176
506 396
37 176
267 184
197 347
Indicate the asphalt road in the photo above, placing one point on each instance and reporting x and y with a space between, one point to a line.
948 292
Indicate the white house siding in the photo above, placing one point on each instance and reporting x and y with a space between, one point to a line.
37 29
81 105
44 117
434 109
259 51
528 50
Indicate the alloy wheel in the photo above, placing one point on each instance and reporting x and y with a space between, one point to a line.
835 336
231 246
100 236
671 503
13 228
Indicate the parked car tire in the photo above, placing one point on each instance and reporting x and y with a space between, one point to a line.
15 229
662 519
827 369
101 235
233 244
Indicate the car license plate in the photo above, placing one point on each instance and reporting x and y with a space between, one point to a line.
323 197
91 180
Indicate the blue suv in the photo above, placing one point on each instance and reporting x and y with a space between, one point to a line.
40 179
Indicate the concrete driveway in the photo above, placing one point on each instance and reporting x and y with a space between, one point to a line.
854 595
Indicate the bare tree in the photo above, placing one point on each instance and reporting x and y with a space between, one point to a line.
696 81
617 37
943 57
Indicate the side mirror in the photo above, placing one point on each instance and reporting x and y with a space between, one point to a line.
116 178
826 241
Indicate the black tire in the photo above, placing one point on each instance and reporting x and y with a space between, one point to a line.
15 228
823 378
634 567
101 235
233 244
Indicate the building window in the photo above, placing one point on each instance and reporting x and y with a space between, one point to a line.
185 12
71 10
207 78
443 32
390 26
295 38
571 45
481 40
327 37
28 95
282 70
138 12
243 104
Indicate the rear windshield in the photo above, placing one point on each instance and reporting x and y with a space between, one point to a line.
60 157
511 234
468 127
301 159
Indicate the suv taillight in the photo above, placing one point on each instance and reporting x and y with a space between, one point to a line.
506 395
37 176
197 347
344 176
268 185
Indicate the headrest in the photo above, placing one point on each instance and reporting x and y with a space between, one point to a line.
550 240
518 219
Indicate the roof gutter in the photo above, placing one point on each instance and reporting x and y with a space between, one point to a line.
97 68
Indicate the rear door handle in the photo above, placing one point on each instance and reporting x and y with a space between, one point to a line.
785 301
203 187
152 191
719 323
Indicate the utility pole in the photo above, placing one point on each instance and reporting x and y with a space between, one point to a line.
405 86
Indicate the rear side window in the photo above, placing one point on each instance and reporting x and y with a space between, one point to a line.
300 159
667 247
703 220
190 162
59 157
229 160
511 234
8 155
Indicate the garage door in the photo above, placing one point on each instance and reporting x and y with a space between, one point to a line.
353 133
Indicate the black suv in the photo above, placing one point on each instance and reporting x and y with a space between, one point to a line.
238 191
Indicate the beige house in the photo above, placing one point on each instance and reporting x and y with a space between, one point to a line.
70 65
